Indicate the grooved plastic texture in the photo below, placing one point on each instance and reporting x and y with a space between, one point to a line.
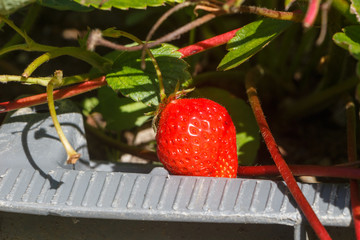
118 195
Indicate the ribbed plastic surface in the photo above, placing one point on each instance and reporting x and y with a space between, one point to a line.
167 198
34 179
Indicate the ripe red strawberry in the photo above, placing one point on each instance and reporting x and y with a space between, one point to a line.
197 137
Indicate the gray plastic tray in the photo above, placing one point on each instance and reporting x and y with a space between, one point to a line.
34 179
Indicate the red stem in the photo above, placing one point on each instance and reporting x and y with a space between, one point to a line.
352 156
208 43
312 12
355 206
58 94
302 170
98 82
280 162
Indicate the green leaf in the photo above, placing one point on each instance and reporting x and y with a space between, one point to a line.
142 85
7 7
251 39
349 39
120 113
89 104
247 131
125 4
355 8
288 4
111 32
64 5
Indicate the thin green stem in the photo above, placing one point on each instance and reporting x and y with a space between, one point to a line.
92 58
43 81
153 60
14 78
14 27
289 16
159 22
35 64
352 155
73 156
28 23
192 33
26 47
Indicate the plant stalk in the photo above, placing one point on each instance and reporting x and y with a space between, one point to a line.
352 155
90 57
27 24
73 156
57 94
278 159
311 13
96 39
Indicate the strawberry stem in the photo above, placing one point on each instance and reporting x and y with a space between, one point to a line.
157 25
352 155
57 94
27 24
92 58
278 159
153 60
208 43
73 156
281 15
312 12
97 39
15 28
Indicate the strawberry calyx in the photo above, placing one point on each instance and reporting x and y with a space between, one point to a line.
165 101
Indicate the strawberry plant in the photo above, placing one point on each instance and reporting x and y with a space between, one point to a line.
133 61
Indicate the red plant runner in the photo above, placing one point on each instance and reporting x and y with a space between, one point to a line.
311 13
280 162
58 94
208 43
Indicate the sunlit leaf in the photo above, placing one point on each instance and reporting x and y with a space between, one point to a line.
120 113
288 3
142 85
9 6
349 39
125 4
251 39
355 8
64 5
